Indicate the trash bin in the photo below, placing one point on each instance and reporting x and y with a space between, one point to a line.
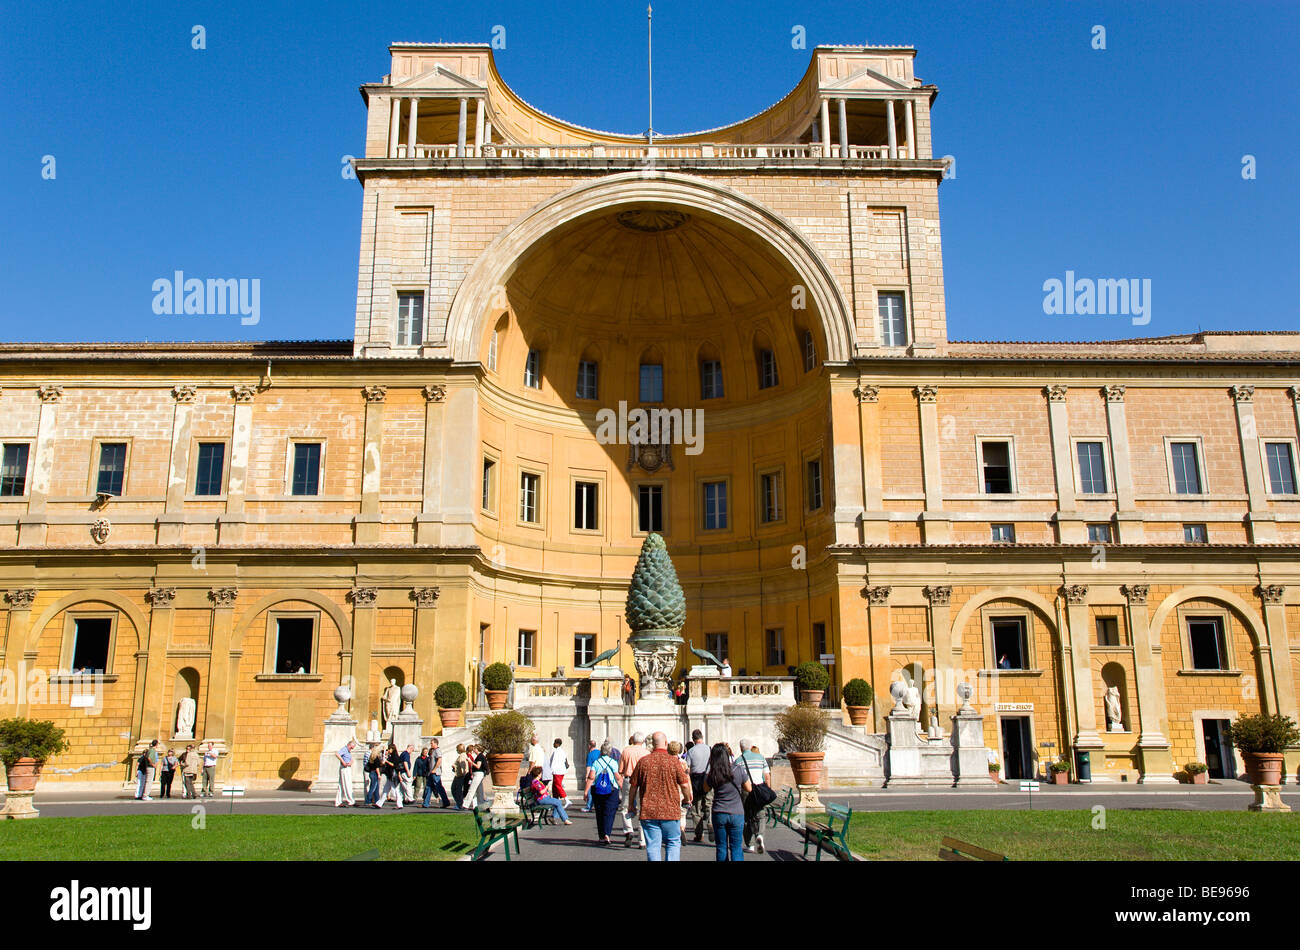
1083 765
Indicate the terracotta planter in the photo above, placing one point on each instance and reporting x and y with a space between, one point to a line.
859 715
811 697
24 774
450 717
996 775
807 767
497 698
1263 768
1198 778
1060 778
505 767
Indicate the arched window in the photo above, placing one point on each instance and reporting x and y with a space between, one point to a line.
765 360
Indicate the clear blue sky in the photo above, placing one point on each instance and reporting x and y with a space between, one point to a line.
226 162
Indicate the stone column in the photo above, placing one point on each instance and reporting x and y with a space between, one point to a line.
412 122
826 128
369 526
875 520
394 127
233 521
844 128
32 526
1069 522
1153 744
161 615
460 129
1260 520
940 598
1281 690
1129 518
487 131
426 618
20 602
172 522
222 670
363 639
889 128
936 526
909 119
428 524
878 626
479 120
1085 709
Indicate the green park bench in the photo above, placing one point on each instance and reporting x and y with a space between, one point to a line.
781 810
494 829
950 849
534 813
834 830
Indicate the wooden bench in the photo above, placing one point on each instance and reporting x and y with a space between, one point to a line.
950 849
834 830
494 829
781 810
534 813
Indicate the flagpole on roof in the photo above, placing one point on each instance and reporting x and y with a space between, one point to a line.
649 41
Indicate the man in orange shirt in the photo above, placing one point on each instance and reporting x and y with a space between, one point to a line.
660 785
626 763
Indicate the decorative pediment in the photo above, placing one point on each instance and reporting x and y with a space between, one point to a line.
439 79
867 79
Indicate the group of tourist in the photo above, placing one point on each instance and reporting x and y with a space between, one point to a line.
163 764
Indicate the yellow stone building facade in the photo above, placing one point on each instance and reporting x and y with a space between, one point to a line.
249 525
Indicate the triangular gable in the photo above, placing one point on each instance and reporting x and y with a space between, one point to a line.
867 78
439 78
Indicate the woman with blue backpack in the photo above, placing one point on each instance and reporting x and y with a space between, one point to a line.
602 786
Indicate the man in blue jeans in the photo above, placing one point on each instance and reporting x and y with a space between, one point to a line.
659 787
433 783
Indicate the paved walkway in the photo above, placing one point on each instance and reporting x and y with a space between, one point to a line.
578 842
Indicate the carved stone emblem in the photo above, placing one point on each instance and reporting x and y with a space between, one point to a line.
100 530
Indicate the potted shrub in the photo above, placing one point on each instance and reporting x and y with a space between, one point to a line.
995 772
801 732
857 699
25 745
1261 740
1060 770
505 735
1197 772
496 684
812 680
449 697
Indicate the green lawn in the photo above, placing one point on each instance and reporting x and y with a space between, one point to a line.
415 837
1145 835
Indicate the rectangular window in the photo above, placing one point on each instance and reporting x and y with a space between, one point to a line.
91 639
1092 468
13 470
294 638
529 488
809 352
1187 468
996 462
489 487
410 319
710 379
587 375
813 479
819 640
1099 533
585 498
649 508
715 506
584 648
1107 632
770 493
766 369
1195 534
893 324
1205 637
1009 647
1281 468
306 468
1003 533
525 656
492 352
533 370
112 468
211 468
652 382
775 646
716 643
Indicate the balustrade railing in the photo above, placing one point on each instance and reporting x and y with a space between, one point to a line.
807 151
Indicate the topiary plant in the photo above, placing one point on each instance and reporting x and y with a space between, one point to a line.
449 695
497 677
1195 768
802 729
1060 765
858 692
505 733
38 739
654 598
811 676
1264 733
